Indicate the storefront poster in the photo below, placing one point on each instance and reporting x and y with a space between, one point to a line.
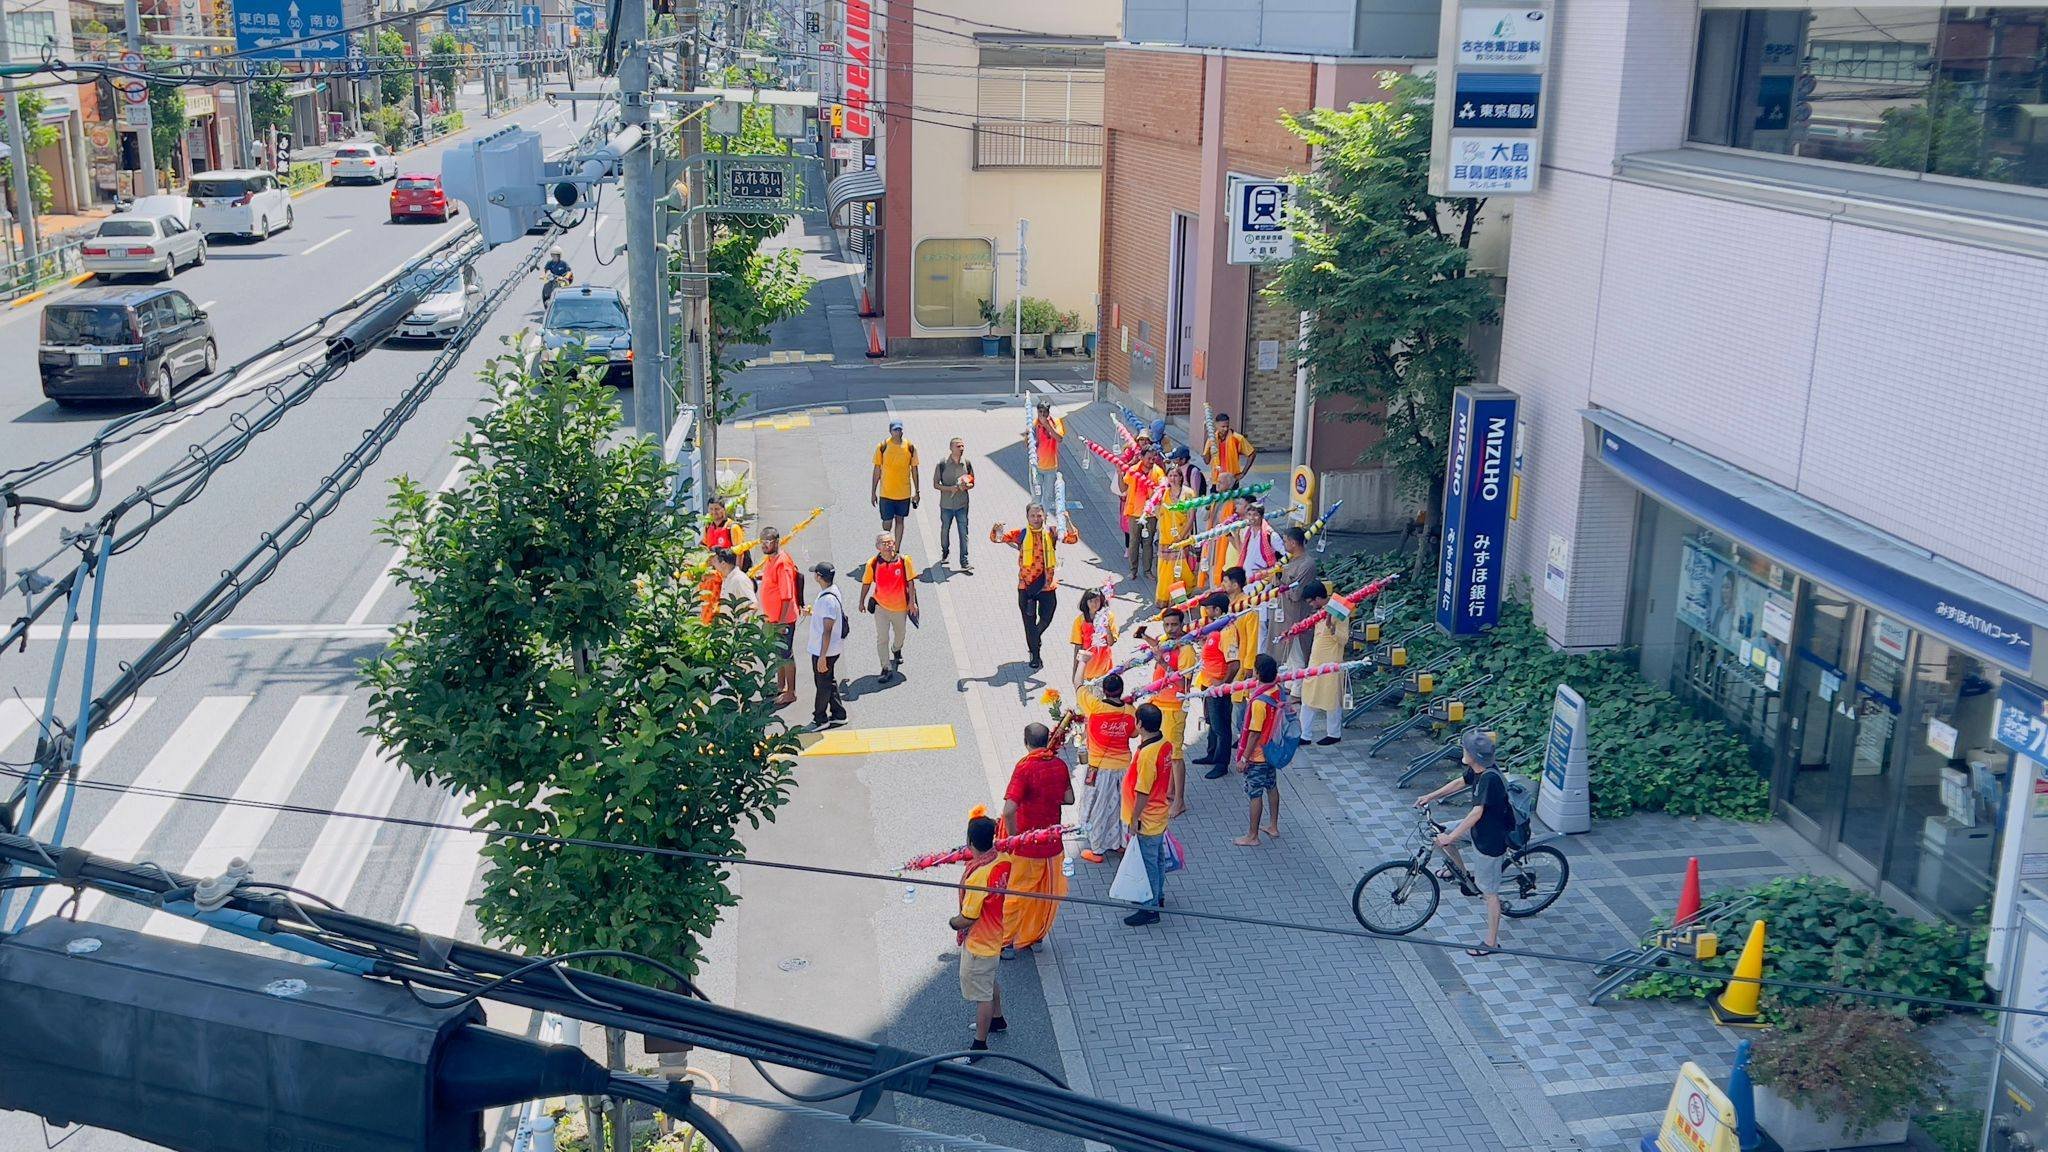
2022 722
1942 738
1778 619
1727 605
1890 637
1557 568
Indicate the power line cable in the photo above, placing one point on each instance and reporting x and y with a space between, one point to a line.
1230 918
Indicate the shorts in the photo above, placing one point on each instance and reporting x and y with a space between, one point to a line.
1173 725
1486 872
1260 778
788 641
894 510
978 976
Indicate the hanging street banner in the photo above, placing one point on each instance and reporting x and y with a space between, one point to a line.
1487 133
290 29
1475 512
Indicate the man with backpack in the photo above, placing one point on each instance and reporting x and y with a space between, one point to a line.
829 627
888 590
1272 732
893 488
1489 824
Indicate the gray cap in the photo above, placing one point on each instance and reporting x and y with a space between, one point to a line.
1479 746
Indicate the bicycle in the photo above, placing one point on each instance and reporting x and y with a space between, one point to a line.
1400 896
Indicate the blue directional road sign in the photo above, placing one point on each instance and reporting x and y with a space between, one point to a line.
529 15
290 29
457 16
586 17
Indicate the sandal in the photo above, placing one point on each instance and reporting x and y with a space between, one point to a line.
1478 952
1445 873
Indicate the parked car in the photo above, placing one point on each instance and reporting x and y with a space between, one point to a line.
123 343
596 318
240 202
130 243
419 195
370 163
443 310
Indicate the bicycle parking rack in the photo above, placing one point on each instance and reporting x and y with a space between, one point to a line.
1447 709
1698 939
1419 681
1451 748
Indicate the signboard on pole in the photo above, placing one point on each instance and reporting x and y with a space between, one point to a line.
529 16
456 16
1258 220
1475 512
859 73
290 29
586 17
1492 63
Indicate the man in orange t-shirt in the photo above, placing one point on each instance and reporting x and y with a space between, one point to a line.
1219 660
979 924
782 600
1139 487
1147 809
888 589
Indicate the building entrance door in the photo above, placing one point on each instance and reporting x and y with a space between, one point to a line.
1180 319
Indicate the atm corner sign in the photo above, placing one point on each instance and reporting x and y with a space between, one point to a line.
1700 1117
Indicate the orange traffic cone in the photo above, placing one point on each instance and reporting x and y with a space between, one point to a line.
1689 896
875 350
867 302
1736 1006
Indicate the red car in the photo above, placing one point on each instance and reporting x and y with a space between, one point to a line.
416 196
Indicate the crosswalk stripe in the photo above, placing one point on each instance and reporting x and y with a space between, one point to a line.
135 817
441 886
336 861
239 831
16 717
97 748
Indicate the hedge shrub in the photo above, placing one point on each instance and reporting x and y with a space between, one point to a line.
304 174
1648 750
1824 932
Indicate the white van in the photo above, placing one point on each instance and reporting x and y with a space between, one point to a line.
240 202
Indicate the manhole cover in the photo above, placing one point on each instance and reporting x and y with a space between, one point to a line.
794 964
963 367
995 403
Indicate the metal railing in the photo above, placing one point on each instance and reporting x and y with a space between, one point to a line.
53 265
1037 144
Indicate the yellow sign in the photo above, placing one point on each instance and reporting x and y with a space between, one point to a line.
1303 488
1700 1117
838 117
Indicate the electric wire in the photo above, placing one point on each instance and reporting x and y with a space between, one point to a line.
1231 918
924 1135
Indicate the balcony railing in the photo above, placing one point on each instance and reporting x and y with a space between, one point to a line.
1037 144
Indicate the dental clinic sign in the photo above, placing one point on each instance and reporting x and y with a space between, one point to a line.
1493 64
1478 485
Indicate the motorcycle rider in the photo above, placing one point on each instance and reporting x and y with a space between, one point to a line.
557 273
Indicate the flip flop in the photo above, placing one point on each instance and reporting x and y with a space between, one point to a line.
1477 952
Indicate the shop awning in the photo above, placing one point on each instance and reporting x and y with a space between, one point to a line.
1937 596
852 188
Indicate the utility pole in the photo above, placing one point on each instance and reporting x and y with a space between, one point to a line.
145 133
644 262
419 76
24 189
697 249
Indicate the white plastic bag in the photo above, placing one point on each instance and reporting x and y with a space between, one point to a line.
1131 883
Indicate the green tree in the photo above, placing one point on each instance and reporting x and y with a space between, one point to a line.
270 105
167 122
1948 139
1381 267
36 136
395 82
446 56
555 671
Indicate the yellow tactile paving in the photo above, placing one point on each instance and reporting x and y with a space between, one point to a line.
862 741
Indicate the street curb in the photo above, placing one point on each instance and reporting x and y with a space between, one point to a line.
298 192
29 299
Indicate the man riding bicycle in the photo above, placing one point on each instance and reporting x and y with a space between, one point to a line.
1488 825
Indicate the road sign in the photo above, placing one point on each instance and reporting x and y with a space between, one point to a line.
529 15
290 29
752 183
456 16
586 17
1258 220
1699 1118
130 60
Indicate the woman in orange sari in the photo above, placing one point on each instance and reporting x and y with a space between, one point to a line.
1093 636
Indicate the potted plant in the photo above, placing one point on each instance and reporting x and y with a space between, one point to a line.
1039 318
991 340
1841 1076
1066 335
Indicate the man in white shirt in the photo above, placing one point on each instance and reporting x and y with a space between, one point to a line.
733 581
827 636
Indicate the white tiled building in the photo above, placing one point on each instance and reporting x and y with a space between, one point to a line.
1784 379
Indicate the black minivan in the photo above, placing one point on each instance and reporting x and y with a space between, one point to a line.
123 344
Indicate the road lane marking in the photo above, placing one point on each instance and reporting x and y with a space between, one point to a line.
440 889
326 242
97 747
16 717
238 831
135 817
382 584
209 304
343 847
231 632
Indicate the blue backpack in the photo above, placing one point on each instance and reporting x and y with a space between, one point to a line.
1285 740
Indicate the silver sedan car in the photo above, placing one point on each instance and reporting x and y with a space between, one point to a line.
148 245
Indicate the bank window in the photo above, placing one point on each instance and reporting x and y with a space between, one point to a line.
1959 91
1945 838
952 280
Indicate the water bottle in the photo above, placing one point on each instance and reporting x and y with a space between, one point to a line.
910 893
1066 865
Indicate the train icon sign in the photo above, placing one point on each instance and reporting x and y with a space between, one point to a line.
1258 220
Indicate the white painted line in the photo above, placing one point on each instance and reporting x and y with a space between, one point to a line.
96 749
208 305
331 869
135 817
16 717
238 831
385 578
1044 386
440 889
326 242
232 631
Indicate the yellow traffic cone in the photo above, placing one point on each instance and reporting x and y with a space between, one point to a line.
1736 1007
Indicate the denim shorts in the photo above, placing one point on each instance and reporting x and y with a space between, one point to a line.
1260 779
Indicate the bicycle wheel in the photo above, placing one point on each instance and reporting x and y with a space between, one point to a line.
1534 881
1396 898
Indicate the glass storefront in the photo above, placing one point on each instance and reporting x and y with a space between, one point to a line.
1877 737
